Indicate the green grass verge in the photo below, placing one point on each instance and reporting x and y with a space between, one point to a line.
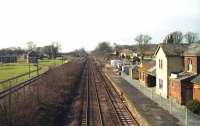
15 69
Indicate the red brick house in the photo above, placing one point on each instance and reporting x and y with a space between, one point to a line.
185 86
147 72
193 65
192 58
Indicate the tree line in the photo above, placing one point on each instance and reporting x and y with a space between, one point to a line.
142 40
50 51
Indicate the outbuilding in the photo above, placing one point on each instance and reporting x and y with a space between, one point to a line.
147 73
8 58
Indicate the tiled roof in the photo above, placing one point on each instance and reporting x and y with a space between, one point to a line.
148 66
7 55
173 49
152 71
193 50
185 75
127 51
149 49
196 79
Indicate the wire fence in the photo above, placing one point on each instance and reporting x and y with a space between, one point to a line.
179 111
11 82
9 98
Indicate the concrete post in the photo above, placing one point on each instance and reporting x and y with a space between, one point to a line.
160 100
151 93
186 116
170 109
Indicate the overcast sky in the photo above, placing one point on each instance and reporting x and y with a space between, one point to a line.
84 23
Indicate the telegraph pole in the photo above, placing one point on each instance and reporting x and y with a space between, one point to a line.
29 67
37 69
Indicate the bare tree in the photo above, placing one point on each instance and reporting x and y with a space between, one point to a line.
142 41
174 38
191 37
31 45
103 49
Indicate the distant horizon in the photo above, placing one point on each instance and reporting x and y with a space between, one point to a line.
111 44
83 24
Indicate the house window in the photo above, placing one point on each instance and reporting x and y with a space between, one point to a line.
160 83
189 64
160 63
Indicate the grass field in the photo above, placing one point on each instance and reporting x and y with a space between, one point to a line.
10 70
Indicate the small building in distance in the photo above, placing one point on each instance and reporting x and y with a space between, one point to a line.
8 58
126 53
133 72
147 73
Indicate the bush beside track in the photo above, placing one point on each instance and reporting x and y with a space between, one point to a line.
46 102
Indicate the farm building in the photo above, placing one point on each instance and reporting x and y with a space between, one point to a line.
8 58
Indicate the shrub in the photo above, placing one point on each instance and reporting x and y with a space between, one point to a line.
194 106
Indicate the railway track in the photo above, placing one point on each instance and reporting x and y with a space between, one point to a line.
102 106
91 114
124 115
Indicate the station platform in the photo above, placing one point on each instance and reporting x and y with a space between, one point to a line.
149 112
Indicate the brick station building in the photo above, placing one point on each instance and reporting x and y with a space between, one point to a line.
185 86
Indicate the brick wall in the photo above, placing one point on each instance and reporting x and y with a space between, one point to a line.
195 64
180 90
175 90
196 92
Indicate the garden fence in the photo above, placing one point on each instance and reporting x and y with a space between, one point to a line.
179 111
